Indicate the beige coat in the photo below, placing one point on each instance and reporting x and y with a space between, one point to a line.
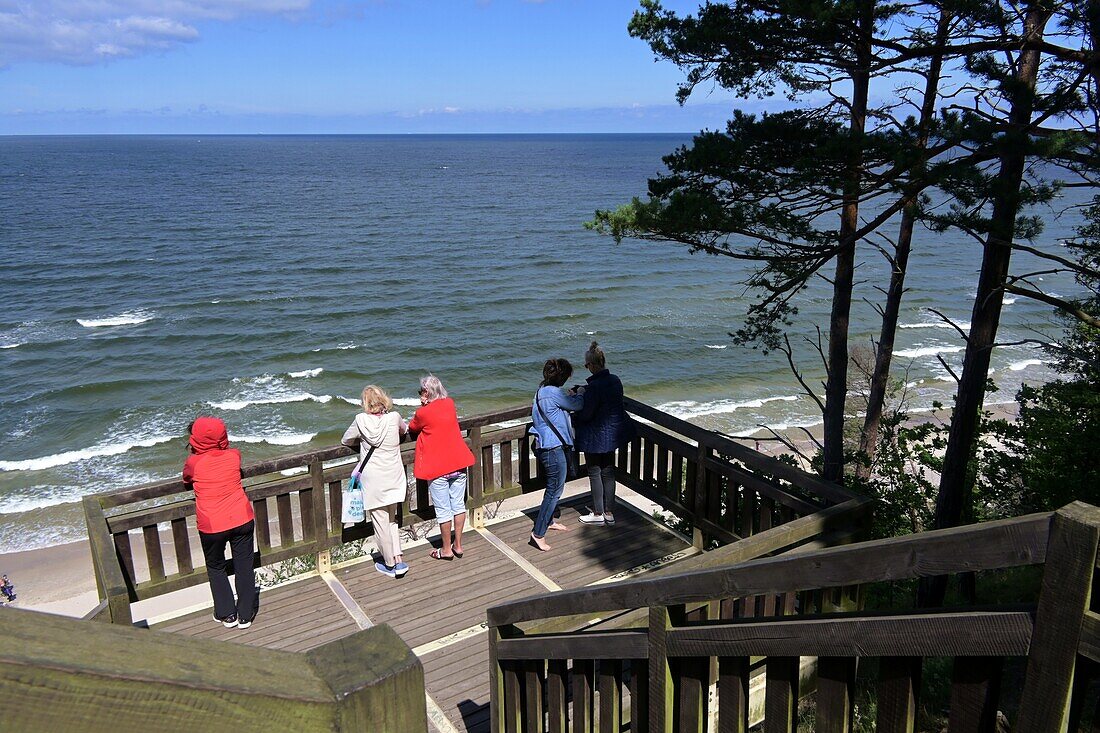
384 481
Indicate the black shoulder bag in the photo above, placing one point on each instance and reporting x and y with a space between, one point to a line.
572 470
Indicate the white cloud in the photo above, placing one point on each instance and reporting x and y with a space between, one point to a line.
90 31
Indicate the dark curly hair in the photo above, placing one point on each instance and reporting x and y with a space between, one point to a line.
556 372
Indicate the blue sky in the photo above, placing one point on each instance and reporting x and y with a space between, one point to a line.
337 66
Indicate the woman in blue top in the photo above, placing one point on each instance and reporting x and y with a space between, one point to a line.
553 433
602 428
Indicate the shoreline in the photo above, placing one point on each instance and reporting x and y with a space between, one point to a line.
60 579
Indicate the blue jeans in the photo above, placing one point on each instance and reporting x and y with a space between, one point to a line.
553 463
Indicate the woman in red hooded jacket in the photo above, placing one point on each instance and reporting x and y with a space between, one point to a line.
224 515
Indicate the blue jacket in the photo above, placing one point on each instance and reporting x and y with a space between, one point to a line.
554 402
602 423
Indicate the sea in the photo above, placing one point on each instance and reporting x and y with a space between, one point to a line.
266 280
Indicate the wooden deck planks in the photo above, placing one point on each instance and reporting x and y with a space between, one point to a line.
585 553
438 597
297 616
457 679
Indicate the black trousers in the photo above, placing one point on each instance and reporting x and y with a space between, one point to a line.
240 540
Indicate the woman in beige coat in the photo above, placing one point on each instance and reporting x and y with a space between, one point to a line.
379 429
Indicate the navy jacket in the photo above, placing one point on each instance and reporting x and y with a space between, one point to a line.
602 424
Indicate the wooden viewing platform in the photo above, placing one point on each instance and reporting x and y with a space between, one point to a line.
624 627
439 608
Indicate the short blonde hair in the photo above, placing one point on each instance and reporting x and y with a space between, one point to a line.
432 388
375 400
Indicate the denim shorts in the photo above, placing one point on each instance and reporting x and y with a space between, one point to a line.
448 495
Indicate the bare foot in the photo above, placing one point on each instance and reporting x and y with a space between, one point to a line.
558 526
540 543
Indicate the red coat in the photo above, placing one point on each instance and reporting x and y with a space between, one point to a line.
440 448
214 472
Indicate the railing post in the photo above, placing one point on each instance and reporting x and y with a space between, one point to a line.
1063 600
661 688
698 537
496 684
477 479
320 520
110 581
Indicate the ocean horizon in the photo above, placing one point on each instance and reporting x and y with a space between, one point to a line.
267 278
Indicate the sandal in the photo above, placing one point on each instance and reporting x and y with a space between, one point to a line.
438 555
456 553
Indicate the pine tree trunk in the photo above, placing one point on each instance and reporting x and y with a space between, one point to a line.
955 484
880 377
836 385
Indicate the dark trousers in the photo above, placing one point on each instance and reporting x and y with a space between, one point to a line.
601 480
240 541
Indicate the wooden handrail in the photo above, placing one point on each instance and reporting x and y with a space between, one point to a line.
1001 544
719 492
61 674
675 648
814 484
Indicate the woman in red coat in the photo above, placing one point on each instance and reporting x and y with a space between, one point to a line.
224 516
442 458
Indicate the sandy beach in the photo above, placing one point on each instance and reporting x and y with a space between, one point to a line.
60 579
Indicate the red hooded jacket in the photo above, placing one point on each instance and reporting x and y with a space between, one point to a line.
213 471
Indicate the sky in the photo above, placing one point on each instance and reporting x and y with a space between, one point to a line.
338 66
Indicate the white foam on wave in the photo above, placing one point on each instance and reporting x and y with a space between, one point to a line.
128 318
403 401
1019 366
716 346
272 400
74 456
928 351
40 497
1010 301
781 426
281 439
306 373
935 324
690 408
10 346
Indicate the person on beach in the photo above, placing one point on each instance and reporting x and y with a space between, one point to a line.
224 515
442 458
602 428
553 433
377 432
8 589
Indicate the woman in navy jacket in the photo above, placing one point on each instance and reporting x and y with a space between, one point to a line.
602 428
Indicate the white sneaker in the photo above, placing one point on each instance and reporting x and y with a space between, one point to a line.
608 518
592 518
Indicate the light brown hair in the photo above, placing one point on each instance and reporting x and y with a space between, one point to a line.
594 357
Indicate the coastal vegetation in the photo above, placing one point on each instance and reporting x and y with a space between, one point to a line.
902 122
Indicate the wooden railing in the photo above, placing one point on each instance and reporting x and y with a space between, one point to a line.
60 674
689 643
722 489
